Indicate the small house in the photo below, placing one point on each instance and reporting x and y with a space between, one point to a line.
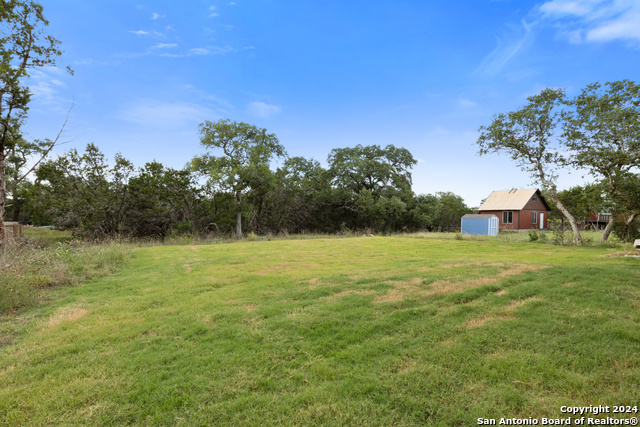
517 210
477 224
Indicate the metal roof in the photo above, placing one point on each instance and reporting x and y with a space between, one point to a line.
509 200
484 216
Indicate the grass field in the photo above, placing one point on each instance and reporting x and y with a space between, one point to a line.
358 331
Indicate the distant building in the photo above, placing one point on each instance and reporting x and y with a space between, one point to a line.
517 210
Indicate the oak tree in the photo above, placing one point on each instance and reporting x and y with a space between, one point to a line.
602 130
528 136
241 160
24 45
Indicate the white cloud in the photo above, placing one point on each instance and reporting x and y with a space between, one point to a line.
166 115
45 85
504 52
198 51
156 16
626 26
232 3
467 103
165 45
559 8
262 109
147 33
594 20
219 103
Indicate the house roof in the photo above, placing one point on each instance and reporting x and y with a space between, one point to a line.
483 216
510 200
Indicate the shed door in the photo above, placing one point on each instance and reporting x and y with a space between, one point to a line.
493 223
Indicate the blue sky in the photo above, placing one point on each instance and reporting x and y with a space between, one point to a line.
423 75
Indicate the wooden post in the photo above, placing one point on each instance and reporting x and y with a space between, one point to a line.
10 231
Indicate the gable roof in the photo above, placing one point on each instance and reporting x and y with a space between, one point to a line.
510 200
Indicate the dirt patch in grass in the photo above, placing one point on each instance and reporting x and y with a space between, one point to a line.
67 314
251 307
501 292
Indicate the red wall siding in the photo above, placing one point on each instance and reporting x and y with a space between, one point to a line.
521 219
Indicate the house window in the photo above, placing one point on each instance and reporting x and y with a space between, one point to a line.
507 217
534 217
535 197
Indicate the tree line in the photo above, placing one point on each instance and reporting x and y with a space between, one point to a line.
233 188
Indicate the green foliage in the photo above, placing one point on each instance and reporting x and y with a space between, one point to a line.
244 163
81 191
24 45
626 232
603 132
161 199
381 171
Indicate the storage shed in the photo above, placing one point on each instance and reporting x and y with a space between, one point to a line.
480 224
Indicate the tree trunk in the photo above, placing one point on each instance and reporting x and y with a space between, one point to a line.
3 188
567 214
239 214
631 218
608 228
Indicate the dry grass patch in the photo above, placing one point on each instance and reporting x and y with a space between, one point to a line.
403 365
251 307
501 292
444 288
285 267
520 303
64 315
347 293
480 321
391 296
618 254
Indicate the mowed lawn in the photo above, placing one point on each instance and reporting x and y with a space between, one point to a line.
359 331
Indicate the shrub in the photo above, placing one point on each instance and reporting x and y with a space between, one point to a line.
626 233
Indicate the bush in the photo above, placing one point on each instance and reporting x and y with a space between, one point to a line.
533 236
626 233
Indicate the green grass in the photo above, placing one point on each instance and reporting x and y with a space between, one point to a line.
46 236
360 331
28 271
